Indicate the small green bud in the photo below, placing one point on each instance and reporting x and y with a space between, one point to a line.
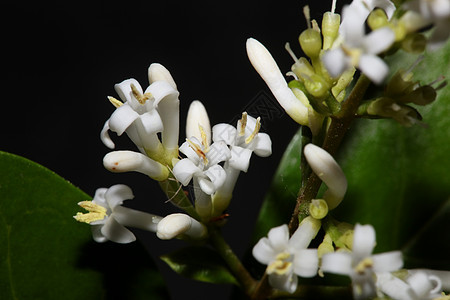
400 84
311 42
317 86
377 19
414 43
302 67
421 96
318 208
330 28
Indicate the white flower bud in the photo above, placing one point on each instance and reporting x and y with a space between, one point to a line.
127 161
197 118
157 72
324 165
180 224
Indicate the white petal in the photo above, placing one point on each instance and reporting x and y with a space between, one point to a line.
104 136
122 118
135 218
306 262
262 145
218 152
115 232
224 132
337 263
118 193
123 89
373 67
184 170
352 25
388 7
394 287
197 116
97 234
99 197
422 285
157 72
240 158
363 241
279 237
305 233
187 150
173 225
217 175
264 252
151 122
444 276
378 40
324 165
387 261
286 282
126 161
267 68
335 61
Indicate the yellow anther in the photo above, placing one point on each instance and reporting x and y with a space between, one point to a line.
139 97
364 264
355 54
255 131
204 138
243 124
95 212
280 266
117 103
198 150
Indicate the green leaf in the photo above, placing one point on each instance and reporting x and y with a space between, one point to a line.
280 199
46 254
399 177
200 263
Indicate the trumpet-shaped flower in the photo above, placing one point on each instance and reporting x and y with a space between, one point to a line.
360 264
108 217
418 285
288 257
358 49
143 114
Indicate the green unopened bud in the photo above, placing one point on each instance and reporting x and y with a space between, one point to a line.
302 68
318 208
377 19
414 43
311 42
330 28
317 86
326 246
421 96
400 84
344 80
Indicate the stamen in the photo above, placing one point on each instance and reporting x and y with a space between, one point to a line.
95 212
243 124
408 73
139 97
439 79
255 131
117 103
366 263
197 150
307 14
287 46
204 138
333 6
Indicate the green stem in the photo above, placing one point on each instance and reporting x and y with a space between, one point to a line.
248 284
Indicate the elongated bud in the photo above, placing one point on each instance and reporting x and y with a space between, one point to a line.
324 165
127 161
311 42
267 68
175 225
197 122
330 28
157 72
377 19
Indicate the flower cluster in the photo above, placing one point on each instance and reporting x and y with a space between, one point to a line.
150 118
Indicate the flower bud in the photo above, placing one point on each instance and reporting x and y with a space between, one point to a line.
178 224
421 96
302 68
318 208
157 72
414 43
330 28
197 122
311 42
377 19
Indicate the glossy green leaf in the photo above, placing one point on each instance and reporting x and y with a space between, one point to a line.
200 263
46 254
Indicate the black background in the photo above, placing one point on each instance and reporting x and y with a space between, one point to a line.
61 59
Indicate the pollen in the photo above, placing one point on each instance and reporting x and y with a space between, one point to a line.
243 124
198 150
255 131
95 212
364 264
117 103
204 138
280 266
139 97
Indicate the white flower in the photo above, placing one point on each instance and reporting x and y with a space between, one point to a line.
328 170
426 12
417 286
288 257
175 225
267 68
356 48
360 264
143 114
108 217
202 164
126 161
